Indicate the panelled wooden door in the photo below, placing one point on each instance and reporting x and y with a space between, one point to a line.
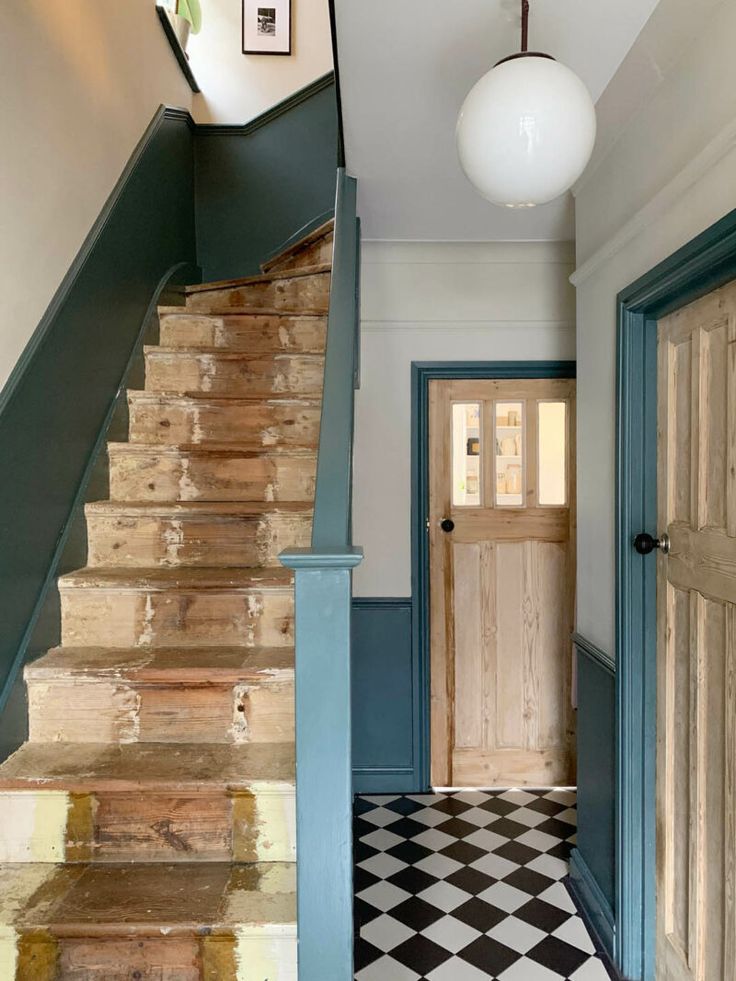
696 648
502 464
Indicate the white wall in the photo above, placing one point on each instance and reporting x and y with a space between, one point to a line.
237 87
438 302
81 81
666 171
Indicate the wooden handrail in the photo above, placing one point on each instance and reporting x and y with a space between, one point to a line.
323 586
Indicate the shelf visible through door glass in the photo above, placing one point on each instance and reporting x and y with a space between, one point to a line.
509 454
466 454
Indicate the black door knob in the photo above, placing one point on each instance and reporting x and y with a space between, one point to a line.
447 524
644 543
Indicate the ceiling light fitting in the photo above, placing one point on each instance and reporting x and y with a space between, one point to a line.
526 130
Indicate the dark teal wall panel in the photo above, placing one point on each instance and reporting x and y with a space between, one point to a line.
597 769
384 697
258 184
61 390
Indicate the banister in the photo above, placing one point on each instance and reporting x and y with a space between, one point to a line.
323 591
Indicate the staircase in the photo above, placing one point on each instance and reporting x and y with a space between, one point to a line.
147 828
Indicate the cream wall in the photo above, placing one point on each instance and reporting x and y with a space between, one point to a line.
424 301
81 81
237 87
666 172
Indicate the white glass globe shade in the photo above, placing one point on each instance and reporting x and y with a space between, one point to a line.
526 131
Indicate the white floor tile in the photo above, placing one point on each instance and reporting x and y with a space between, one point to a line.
528 970
473 797
386 969
562 796
476 815
505 897
538 839
438 865
386 933
457 970
451 934
570 816
517 934
434 839
429 816
494 865
519 797
548 865
382 865
485 839
380 816
381 839
530 818
573 932
384 895
558 896
444 896
380 798
592 970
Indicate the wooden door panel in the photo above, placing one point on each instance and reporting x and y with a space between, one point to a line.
696 618
502 594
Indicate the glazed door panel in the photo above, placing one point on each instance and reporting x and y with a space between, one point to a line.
501 581
696 648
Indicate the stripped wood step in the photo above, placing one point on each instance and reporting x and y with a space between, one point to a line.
213 921
313 248
232 372
172 419
303 290
208 694
255 333
188 607
213 472
152 802
143 534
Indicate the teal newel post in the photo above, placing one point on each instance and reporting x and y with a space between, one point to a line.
324 763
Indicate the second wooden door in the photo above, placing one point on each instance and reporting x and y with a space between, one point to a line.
501 528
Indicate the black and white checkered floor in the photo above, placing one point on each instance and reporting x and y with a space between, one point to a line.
467 886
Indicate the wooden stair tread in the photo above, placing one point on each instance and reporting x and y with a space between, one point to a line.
297 273
253 311
322 231
288 398
149 899
214 449
147 766
188 665
223 354
209 509
182 578
228 314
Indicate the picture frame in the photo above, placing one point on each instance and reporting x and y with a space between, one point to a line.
266 27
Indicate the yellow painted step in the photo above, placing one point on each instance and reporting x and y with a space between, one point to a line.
147 802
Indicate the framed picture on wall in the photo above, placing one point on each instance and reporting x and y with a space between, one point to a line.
267 27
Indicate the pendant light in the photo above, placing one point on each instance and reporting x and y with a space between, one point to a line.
526 130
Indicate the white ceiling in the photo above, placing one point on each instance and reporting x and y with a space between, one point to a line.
405 68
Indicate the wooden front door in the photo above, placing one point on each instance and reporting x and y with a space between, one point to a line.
501 534
696 648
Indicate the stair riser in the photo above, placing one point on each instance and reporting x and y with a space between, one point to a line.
171 422
306 294
248 825
214 957
126 711
109 617
213 374
144 541
210 477
256 335
313 255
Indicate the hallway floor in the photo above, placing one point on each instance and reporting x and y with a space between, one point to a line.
468 886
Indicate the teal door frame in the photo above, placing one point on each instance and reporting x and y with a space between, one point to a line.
422 372
704 264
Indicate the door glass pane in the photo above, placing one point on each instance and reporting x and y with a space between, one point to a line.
466 454
552 453
509 454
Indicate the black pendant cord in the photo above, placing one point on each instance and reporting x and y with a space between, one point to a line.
524 25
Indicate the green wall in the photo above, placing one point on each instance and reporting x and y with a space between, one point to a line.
61 390
289 155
